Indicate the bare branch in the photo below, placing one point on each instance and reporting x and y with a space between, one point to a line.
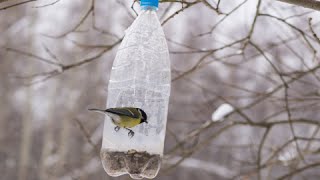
46 5
17 4
297 171
312 4
87 135
303 34
313 33
36 57
85 16
180 10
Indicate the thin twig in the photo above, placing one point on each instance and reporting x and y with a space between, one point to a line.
17 4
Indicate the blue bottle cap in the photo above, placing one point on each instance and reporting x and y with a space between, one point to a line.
149 4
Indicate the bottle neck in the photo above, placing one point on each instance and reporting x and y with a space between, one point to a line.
151 8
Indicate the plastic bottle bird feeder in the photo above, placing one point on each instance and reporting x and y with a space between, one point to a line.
140 78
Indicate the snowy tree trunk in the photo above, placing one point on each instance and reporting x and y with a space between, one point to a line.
26 137
48 135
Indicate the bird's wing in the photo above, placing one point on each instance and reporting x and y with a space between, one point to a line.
130 112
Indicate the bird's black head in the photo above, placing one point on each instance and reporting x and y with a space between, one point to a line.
144 116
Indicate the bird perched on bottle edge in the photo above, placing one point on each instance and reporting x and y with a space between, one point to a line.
125 117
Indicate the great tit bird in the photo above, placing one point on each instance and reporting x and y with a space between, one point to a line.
125 117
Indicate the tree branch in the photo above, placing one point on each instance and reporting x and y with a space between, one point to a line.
311 4
16 4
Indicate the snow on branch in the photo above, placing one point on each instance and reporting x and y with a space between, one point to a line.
222 111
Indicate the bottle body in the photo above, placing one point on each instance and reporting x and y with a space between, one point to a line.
140 77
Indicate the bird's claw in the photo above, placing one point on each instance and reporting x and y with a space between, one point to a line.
130 133
116 128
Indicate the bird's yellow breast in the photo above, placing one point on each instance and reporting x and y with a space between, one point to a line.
128 122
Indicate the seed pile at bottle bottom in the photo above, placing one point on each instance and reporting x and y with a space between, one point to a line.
137 164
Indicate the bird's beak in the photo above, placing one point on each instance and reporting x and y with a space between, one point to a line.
97 110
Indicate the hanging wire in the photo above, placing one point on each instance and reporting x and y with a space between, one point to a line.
132 6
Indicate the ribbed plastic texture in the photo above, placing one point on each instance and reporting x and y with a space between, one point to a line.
140 77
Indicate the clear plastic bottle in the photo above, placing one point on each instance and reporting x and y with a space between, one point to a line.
140 77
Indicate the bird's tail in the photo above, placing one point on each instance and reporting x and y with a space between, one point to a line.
97 110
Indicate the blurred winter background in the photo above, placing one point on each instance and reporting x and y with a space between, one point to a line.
260 57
